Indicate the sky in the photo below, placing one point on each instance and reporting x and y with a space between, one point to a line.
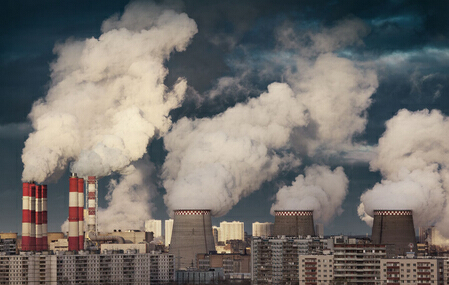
241 107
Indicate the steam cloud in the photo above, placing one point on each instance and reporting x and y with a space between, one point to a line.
129 198
212 163
107 99
320 189
413 157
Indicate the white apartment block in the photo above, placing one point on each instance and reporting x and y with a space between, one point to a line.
115 268
231 231
262 229
154 226
417 271
168 231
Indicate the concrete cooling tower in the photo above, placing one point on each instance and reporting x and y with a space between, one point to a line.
293 223
192 234
394 227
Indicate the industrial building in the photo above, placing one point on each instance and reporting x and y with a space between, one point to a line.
394 227
293 223
192 234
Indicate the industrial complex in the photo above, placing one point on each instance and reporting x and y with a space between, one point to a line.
292 250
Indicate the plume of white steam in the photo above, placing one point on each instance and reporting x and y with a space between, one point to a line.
107 98
129 198
320 189
413 157
212 163
337 94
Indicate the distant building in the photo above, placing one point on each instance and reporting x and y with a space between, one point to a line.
168 231
154 226
262 229
319 230
8 243
231 263
231 231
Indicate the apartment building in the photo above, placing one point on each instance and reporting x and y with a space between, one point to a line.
107 268
358 263
419 271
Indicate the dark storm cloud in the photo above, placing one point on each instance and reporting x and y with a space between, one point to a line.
234 57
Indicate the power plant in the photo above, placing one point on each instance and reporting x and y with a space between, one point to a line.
394 227
293 223
191 235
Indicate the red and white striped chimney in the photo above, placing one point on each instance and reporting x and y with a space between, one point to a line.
44 217
26 217
92 204
32 207
81 213
38 203
73 213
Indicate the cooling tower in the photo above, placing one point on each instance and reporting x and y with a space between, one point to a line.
192 234
293 223
394 227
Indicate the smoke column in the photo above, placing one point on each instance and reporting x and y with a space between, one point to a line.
100 88
213 162
413 157
129 198
320 189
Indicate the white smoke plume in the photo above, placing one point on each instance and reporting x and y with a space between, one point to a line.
212 163
129 198
107 99
320 189
413 157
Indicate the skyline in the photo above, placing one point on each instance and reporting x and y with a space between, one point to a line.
338 74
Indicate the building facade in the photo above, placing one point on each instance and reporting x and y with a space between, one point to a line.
108 268
231 231
154 226
262 229
419 271
168 231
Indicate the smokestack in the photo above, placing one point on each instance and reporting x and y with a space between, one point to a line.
44 217
192 234
26 217
92 204
38 212
32 207
394 227
293 223
73 213
81 213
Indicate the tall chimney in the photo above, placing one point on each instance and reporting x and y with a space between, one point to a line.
191 235
44 217
81 213
32 207
73 213
394 227
92 204
26 217
38 203
293 223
